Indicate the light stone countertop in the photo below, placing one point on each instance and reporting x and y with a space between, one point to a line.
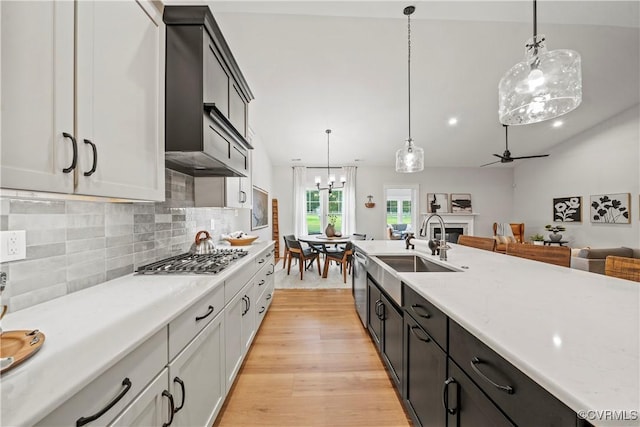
575 333
88 331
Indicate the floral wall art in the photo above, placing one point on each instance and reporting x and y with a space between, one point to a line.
611 208
567 209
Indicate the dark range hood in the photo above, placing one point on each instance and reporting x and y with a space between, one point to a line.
206 97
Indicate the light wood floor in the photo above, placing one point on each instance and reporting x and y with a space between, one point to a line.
312 364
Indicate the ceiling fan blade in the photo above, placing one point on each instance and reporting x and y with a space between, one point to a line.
530 157
487 164
498 155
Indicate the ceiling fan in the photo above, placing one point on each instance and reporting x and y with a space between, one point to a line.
506 156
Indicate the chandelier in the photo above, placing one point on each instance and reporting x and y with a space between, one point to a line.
331 179
409 158
543 86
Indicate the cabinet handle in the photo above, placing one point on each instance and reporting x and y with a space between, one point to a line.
417 328
172 408
207 314
261 261
377 310
95 158
268 297
184 394
426 314
246 305
506 388
445 395
126 383
262 282
262 310
75 153
269 273
243 196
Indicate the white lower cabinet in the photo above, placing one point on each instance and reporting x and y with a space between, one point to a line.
103 399
151 408
240 329
197 377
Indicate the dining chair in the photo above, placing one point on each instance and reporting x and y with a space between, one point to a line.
558 255
287 254
358 236
341 257
622 267
305 256
486 243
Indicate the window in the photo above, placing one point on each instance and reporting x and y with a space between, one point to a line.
320 207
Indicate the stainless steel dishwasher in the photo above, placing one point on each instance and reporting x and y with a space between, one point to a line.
359 284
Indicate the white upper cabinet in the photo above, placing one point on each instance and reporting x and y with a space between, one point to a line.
117 98
37 95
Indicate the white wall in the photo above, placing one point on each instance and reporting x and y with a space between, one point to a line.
490 188
261 177
604 159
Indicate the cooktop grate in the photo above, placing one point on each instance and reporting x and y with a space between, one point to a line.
190 263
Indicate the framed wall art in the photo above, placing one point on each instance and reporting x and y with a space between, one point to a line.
437 202
461 203
260 209
567 209
611 208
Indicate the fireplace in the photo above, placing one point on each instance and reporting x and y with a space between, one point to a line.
451 234
454 224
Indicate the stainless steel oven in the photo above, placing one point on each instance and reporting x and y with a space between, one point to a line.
359 283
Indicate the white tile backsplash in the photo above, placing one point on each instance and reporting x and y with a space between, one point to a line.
72 245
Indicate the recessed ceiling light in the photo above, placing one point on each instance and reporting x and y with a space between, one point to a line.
357 160
296 160
453 121
558 123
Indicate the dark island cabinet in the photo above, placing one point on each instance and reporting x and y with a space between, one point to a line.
466 405
385 327
425 369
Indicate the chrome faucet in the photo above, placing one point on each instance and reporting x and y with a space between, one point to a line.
442 246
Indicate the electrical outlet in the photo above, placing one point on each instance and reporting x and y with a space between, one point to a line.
13 245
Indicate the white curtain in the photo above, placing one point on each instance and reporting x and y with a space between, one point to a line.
300 201
349 201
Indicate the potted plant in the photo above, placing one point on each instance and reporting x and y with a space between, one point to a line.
537 239
555 236
330 231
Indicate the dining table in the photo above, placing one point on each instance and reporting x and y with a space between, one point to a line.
320 242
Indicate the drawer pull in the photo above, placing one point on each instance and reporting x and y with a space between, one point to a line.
414 330
262 282
126 383
268 297
184 394
269 273
172 407
475 361
425 314
207 314
74 161
262 310
261 261
445 395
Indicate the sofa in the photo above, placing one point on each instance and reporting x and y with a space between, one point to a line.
397 231
593 260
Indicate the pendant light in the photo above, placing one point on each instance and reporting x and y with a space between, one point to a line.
331 179
543 86
409 158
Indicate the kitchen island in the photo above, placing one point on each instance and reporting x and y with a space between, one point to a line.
574 333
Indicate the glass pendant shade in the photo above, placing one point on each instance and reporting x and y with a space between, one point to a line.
543 86
409 158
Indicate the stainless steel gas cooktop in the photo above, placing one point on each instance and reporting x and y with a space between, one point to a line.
190 263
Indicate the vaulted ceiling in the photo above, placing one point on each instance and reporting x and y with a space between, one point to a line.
343 65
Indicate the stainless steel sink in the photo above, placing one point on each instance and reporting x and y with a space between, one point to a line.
412 263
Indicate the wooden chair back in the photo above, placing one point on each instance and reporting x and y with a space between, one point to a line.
622 268
516 228
486 243
358 236
558 255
